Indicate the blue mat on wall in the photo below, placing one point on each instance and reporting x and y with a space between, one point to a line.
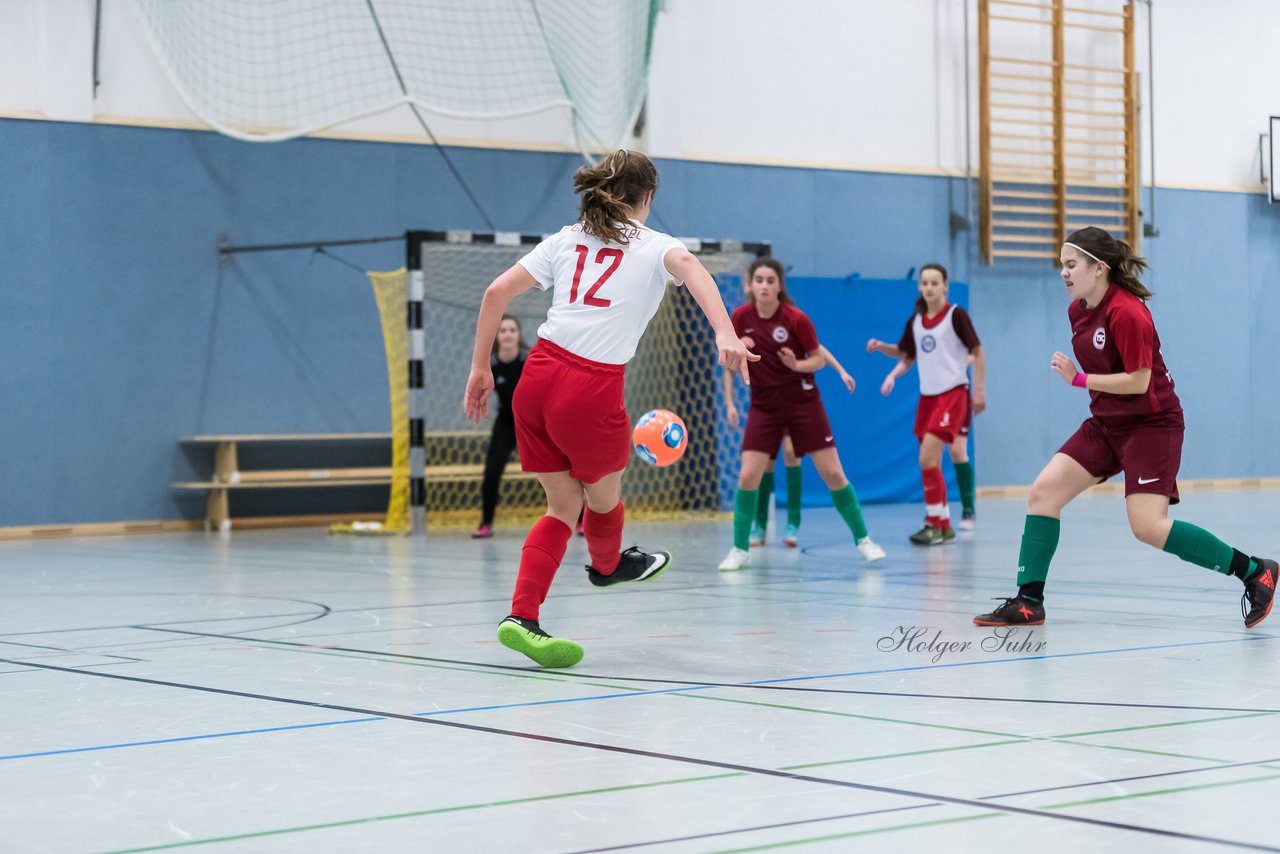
873 433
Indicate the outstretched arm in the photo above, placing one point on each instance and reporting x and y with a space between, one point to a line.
844 375
1125 382
682 264
730 408
875 345
979 390
509 285
904 365
807 365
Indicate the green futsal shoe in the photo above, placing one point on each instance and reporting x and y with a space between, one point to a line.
527 637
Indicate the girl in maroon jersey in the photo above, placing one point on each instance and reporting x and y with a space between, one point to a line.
784 400
941 338
1135 426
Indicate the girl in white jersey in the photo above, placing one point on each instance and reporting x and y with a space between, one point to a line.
941 338
609 273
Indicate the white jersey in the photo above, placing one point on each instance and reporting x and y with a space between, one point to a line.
605 293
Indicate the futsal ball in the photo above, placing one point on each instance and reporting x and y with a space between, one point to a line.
659 437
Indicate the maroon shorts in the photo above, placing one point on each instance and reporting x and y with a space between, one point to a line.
1148 451
944 415
570 415
806 423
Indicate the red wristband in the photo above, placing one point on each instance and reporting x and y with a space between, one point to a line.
1079 380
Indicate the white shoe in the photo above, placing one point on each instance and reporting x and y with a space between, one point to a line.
965 525
869 550
735 560
756 538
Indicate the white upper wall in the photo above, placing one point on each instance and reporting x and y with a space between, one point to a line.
836 83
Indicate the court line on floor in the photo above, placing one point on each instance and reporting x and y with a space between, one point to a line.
666 757
786 680
856 759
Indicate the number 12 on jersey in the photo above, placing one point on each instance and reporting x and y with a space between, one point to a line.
613 257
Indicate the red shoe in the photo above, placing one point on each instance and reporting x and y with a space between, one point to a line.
484 532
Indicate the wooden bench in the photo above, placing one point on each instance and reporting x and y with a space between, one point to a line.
227 474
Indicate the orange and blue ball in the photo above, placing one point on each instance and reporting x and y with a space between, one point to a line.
659 437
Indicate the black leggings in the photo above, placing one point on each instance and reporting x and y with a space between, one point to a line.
501 443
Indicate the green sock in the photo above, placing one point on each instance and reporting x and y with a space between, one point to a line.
793 496
1198 546
744 509
964 480
846 503
1039 542
766 495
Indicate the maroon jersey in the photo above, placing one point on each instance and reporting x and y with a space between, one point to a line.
1119 336
773 383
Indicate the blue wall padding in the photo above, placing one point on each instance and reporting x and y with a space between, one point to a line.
873 433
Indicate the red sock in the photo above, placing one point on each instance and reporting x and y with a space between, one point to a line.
543 550
604 538
937 514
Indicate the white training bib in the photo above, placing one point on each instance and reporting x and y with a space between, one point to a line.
940 355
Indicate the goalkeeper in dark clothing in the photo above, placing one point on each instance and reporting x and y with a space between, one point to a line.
507 362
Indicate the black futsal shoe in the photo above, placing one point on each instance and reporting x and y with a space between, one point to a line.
1014 612
1259 592
635 565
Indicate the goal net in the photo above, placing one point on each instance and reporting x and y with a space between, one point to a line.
674 368
266 71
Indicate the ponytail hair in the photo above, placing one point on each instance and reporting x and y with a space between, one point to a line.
776 266
611 191
1123 267
921 305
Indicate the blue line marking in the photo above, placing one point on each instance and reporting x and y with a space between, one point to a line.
187 738
678 689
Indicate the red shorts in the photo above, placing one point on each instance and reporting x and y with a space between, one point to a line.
806 423
1148 451
570 415
944 415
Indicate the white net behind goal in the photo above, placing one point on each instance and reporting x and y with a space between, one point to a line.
268 70
674 368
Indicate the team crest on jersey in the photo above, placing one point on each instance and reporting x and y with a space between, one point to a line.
928 343
780 334
1099 338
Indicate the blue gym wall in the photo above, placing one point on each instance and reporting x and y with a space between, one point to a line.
873 433
120 332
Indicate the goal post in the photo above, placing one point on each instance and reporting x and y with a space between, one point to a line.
444 278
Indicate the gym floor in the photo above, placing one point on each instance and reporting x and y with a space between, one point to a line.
276 691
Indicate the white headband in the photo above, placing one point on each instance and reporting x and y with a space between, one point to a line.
1084 251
